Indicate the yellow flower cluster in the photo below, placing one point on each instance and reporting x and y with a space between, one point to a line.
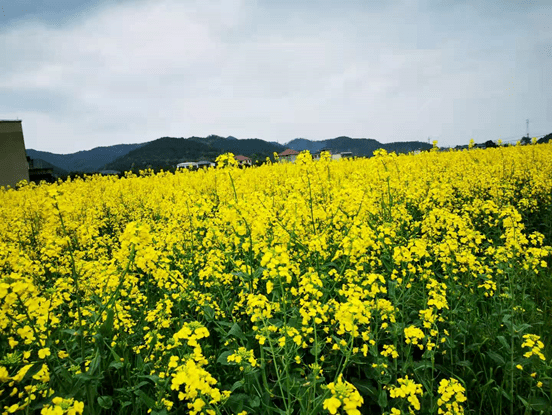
408 389
191 332
344 395
292 271
451 397
533 342
413 335
60 406
244 358
198 387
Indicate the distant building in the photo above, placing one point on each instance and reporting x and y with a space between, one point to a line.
205 164
187 165
334 156
194 165
38 172
13 158
110 172
243 161
288 155
318 154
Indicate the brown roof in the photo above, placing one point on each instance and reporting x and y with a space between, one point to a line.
242 158
288 152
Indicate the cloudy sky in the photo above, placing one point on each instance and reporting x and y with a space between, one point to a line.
82 74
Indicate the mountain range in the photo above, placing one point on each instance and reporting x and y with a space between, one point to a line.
166 152
87 161
358 146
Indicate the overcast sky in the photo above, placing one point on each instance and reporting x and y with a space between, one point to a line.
82 74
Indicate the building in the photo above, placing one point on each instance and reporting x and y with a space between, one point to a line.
13 158
333 156
243 161
187 165
288 155
204 164
194 165
110 172
39 172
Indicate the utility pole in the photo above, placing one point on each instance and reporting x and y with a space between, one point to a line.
527 122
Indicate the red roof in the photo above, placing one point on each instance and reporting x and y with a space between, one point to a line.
288 152
242 158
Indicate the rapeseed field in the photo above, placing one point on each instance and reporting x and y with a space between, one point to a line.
410 284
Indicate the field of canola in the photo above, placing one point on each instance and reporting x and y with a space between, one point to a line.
397 284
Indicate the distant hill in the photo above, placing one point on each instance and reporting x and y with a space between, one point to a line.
301 144
84 161
358 146
249 147
167 152
164 152
545 139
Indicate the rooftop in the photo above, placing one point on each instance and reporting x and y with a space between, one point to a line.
288 152
242 158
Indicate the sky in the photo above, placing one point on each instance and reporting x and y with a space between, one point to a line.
82 74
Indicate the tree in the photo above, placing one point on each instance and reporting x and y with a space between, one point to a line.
525 140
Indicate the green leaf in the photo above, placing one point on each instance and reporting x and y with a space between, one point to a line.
382 399
32 371
116 365
464 363
209 313
236 331
424 364
124 404
540 404
523 401
365 387
235 402
105 402
222 359
521 328
95 363
107 326
504 393
504 343
496 357
255 402
152 378
139 385
236 385
148 401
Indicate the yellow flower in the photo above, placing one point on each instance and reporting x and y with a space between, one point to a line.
42 353
269 287
332 404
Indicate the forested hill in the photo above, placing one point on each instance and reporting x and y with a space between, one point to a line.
166 152
358 146
84 161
